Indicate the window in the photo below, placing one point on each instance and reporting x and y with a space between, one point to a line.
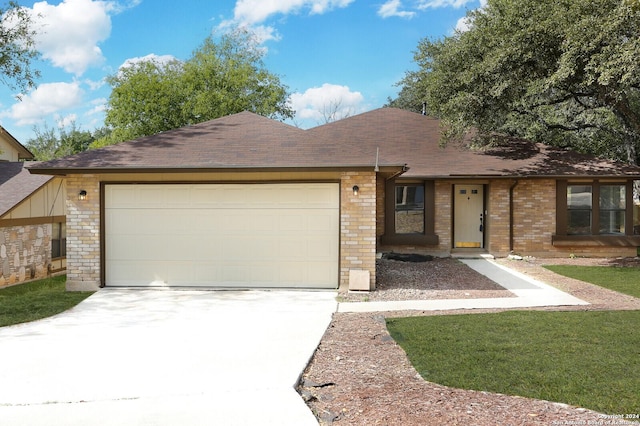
597 213
59 240
612 209
409 212
579 211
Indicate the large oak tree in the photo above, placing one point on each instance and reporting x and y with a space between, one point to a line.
17 48
222 77
564 72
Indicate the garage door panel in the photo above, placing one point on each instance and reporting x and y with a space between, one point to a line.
316 249
125 272
121 221
141 247
225 235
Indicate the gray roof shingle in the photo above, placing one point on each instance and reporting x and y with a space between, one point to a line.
249 141
16 184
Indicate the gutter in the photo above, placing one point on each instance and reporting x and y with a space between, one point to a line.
399 168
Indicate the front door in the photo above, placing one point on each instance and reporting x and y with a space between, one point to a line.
468 216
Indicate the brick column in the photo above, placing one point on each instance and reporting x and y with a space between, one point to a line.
83 234
358 225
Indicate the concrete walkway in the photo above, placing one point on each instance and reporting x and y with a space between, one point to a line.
151 357
529 293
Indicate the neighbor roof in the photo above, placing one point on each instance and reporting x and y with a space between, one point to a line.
16 184
386 137
23 152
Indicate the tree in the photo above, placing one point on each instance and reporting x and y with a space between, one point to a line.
17 48
221 78
49 143
564 72
147 98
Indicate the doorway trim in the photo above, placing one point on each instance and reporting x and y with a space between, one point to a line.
469 221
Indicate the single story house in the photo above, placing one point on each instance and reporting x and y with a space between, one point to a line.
32 217
245 201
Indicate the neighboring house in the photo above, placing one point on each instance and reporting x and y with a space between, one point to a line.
32 217
245 201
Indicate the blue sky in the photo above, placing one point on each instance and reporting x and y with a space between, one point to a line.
328 52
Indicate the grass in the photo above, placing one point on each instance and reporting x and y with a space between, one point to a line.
624 280
587 359
36 300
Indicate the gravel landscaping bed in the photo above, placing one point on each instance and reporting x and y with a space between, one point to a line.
360 376
440 278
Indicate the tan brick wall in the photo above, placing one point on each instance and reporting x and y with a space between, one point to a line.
83 234
358 225
380 206
444 215
534 215
497 220
25 253
534 222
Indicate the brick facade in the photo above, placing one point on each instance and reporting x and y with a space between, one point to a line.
25 253
534 216
497 233
534 221
358 225
443 217
361 224
83 233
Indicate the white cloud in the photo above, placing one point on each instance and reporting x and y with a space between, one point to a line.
317 103
99 106
94 85
434 4
47 99
392 8
66 120
72 31
464 23
256 11
152 57
250 14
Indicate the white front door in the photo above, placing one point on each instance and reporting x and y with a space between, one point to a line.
468 216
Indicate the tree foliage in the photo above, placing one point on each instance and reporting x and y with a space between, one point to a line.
17 48
222 77
50 143
564 72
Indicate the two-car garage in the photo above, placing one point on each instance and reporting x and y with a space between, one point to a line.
272 235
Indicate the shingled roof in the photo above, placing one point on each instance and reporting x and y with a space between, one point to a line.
16 184
387 137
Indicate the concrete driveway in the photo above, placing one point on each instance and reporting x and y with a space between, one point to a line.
152 357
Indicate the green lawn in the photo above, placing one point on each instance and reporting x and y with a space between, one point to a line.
36 300
624 280
587 359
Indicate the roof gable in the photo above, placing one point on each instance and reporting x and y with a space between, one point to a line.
17 184
382 137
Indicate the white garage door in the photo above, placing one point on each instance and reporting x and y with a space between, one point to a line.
222 235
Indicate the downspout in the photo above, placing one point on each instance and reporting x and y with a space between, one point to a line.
511 188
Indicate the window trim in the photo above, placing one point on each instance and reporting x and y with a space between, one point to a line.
562 238
390 236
